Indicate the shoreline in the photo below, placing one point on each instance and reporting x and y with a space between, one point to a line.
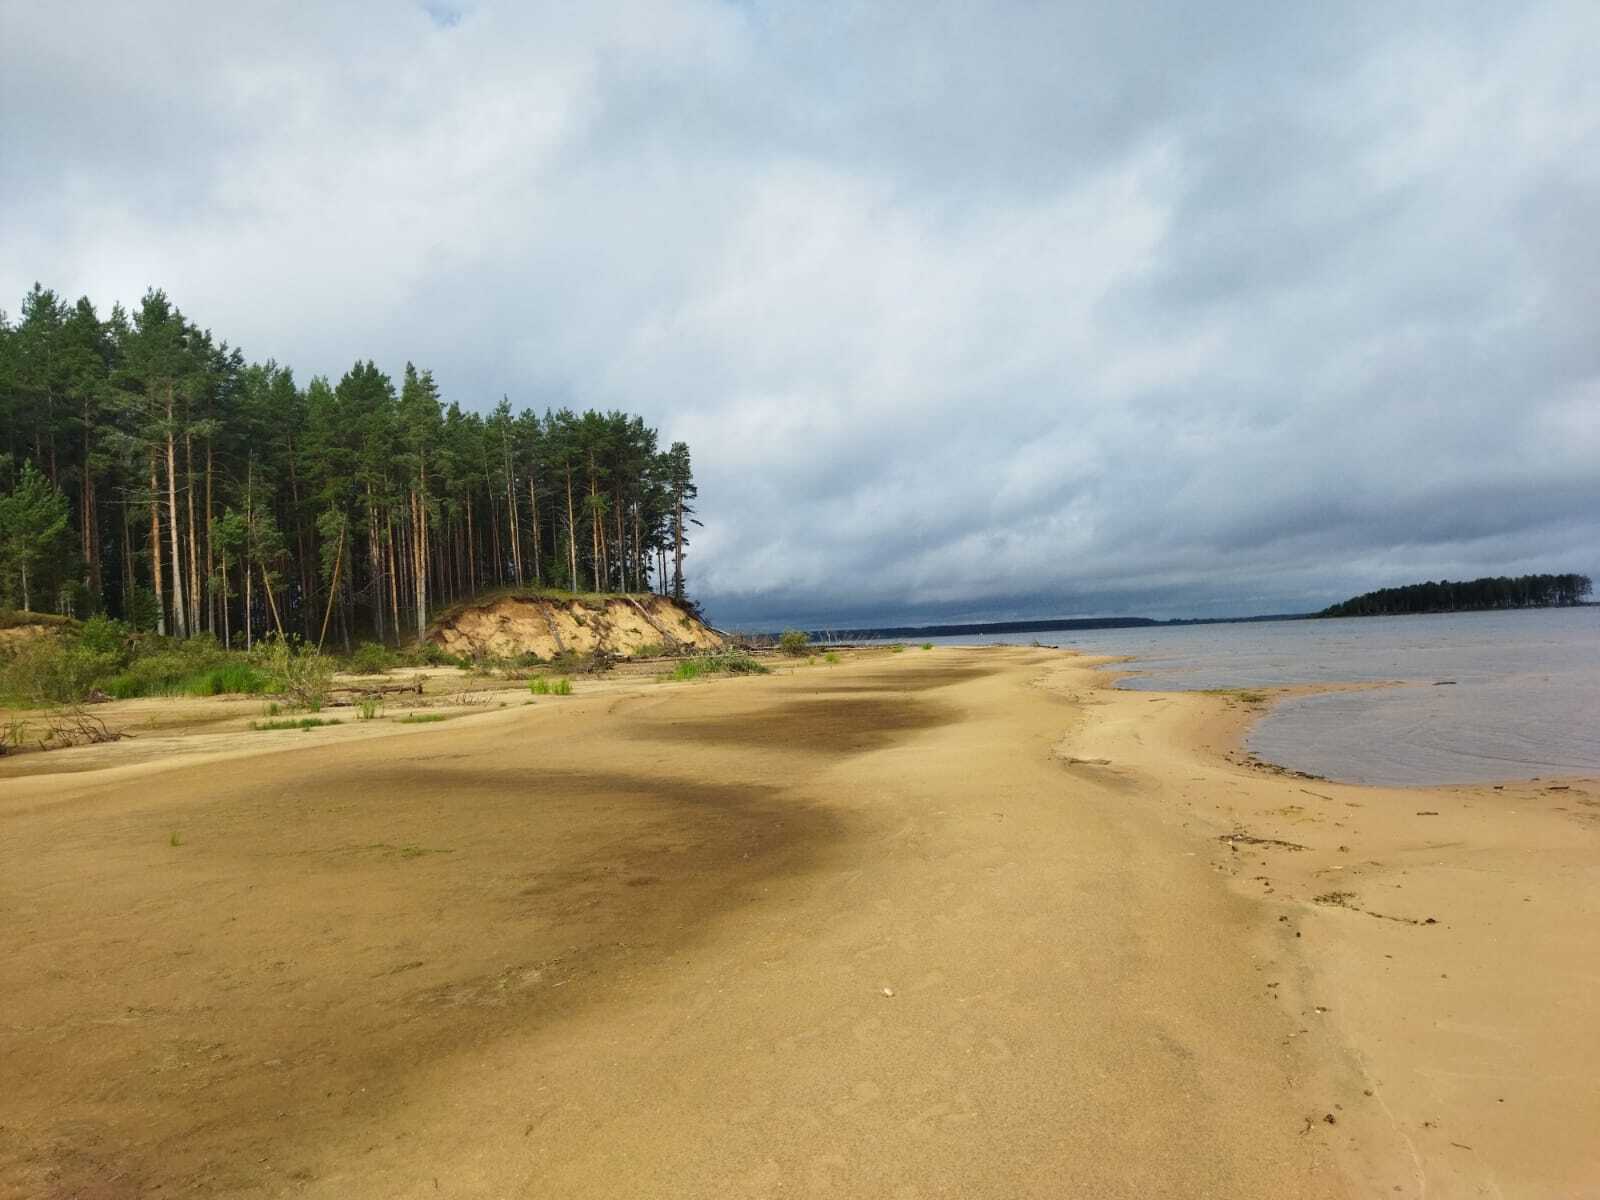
1395 928
971 916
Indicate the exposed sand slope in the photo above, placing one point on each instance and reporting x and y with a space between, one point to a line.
546 626
861 930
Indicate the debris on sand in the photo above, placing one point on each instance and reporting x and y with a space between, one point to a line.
1248 839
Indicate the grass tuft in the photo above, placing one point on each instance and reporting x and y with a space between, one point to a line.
294 723
729 663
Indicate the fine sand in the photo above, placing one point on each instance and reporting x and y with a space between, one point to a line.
955 923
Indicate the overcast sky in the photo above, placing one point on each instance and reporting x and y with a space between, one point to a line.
968 309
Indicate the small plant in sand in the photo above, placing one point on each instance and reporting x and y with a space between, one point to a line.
539 685
927 645
369 708
830 657
176 839
561 687
793 642
897 648
422 718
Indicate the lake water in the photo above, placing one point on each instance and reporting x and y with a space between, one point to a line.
1524 701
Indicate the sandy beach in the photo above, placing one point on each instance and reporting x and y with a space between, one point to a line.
938 923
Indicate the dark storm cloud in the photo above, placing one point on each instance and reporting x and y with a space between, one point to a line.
965 309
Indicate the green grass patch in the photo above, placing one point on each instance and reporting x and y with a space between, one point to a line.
172 675
421 718
716 664
830 657
927 645
294 723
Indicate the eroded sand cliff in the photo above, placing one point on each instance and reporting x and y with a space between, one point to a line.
546 626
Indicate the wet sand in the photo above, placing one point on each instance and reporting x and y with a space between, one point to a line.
946 923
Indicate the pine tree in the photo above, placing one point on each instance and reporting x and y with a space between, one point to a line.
33 530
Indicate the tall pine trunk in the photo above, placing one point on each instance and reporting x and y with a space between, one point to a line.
155 548
179 609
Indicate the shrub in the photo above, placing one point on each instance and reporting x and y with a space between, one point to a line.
793 642
927 645
43 671
304 677
373 658
369 708
102 635
561 687
830 657
539 685
432 654
897 648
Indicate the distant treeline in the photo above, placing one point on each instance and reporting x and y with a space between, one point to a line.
1490 592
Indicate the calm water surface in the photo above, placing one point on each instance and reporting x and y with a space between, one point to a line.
1524 700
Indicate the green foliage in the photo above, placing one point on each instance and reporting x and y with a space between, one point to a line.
373 658
539 685
927 645
369 708
102 635
43 671
727 663
33 537
294 723
793 642
198 667
432 654
422 718
561 687
141 609
830 657
897 648
301 675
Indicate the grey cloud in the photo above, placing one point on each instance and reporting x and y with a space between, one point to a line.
978 310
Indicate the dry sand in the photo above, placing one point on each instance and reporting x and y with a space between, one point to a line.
947 923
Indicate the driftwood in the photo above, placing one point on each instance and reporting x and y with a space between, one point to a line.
551 626
413 688
651 621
